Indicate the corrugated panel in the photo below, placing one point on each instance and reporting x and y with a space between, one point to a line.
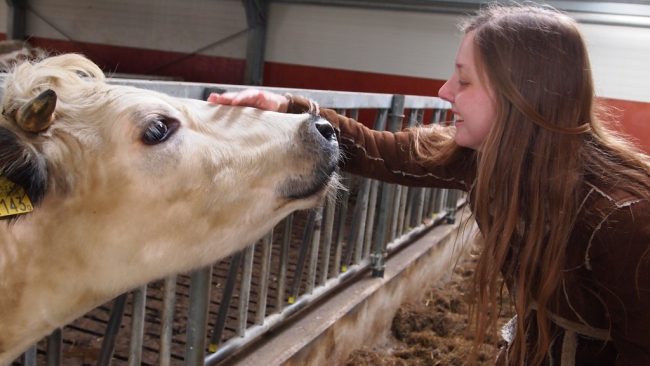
388 42
171 25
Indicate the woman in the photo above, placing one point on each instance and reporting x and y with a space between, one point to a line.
563 203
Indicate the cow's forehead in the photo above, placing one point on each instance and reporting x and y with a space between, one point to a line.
139 103
131 96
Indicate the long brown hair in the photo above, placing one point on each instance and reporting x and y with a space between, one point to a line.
548 140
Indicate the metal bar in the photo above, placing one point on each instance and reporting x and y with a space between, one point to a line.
451 205
402 200
167 321
370 223
257 13
418 207
197 316
360 219
264 278
340 216
438 200
54 348
302 257
326 98
353 231
313 258
226 298
137 325
328 228
438 115
415 117
245 290
380 125
362 222
112 328
340 237
380 120
17 19
429 197
342 259
433 202
408 215
377 257
396 118
284 259
29 357
410 218
341 99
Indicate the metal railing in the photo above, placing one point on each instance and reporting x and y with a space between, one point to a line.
206 317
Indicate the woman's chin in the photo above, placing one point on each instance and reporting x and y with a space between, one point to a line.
465 141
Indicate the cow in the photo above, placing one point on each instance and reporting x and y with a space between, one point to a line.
106 187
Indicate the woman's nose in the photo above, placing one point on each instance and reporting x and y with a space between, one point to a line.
445 92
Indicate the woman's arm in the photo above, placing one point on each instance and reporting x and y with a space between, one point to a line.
381 155
619 257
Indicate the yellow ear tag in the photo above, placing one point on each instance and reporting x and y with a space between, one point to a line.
13 199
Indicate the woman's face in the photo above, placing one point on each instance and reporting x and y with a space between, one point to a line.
472 102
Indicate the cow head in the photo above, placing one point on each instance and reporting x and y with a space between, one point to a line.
130 185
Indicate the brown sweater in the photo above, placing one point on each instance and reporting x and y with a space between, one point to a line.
602 310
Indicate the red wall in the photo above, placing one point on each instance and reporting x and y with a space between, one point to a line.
310 77
634 119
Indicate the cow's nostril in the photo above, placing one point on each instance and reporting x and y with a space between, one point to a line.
325 129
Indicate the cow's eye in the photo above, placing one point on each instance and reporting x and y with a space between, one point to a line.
159 130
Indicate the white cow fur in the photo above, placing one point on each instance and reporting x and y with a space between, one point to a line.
118 213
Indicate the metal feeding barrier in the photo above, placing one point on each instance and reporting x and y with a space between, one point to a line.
207 316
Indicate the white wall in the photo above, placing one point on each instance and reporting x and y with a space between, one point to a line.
387 42
620 60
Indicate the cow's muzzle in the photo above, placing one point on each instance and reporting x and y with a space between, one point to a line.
320 145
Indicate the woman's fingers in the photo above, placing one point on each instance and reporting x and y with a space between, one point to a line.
252 98
220 98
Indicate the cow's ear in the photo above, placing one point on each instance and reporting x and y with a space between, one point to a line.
23 165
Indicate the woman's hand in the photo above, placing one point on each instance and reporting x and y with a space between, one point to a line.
252 98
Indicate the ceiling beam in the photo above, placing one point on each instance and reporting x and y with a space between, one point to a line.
17 19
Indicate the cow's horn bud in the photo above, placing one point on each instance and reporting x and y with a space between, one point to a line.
37 114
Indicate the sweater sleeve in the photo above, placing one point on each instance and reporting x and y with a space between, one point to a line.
619 256
389 156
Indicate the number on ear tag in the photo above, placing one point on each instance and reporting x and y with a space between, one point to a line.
13 199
